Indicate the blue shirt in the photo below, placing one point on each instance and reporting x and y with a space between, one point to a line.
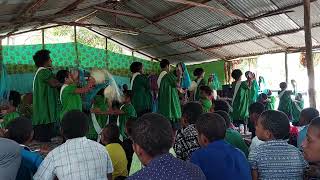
168 167
277 159
301 136
220 160
29 164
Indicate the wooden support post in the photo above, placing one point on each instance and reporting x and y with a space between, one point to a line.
76 46
1 56
286 66
309 59
42 36
106 52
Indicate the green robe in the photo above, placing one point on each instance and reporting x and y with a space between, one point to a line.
206 104
271 105
241 104
285 104
70 100
8 118
169 102
142 98
254 92
197 93
297 110
99 103
45 99
129 112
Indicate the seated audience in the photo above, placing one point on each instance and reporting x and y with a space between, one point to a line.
255 110
217 158
221 105
127 143
78 157
186 140
311 149
10 159
205 100
306 116
21 131
275 159
232 136
152 138
110 137
10 112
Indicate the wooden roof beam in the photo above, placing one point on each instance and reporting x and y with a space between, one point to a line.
207 31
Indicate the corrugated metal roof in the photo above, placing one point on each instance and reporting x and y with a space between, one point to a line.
199 25
274 24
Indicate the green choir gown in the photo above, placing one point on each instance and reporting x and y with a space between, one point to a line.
241 104
129 112
285 104
142 98
169 102
70 100
45 99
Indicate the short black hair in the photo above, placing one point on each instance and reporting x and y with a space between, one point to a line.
198 72
164 63
128 93
221 105
62 75
101 92
257 108
75 124
111 132
309 114
153 133
136 67
283 85
264 96
212 126
276 122
206 89
315 123
225 116
247 73
125 86
20 130
15 97
41 57
129 125
236 74
191 111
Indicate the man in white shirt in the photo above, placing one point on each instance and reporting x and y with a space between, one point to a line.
77 158
165 68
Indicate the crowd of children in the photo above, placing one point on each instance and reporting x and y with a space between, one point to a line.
195 137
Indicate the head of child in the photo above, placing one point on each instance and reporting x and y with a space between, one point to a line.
236 74
226 117
198 73
65 77
127 97
152 136
307 115
299 97
110 134
283 86
263 98
42 59
255 110
221 105
129 126
190 113
165 65
20 130
272 125
205 91
14 98
311 145
74 124
249 75
136 67
125 87
211 127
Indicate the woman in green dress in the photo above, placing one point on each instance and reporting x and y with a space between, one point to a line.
45 97
127 112
205 101
140 86
285 103
241 99
199 81
169 102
